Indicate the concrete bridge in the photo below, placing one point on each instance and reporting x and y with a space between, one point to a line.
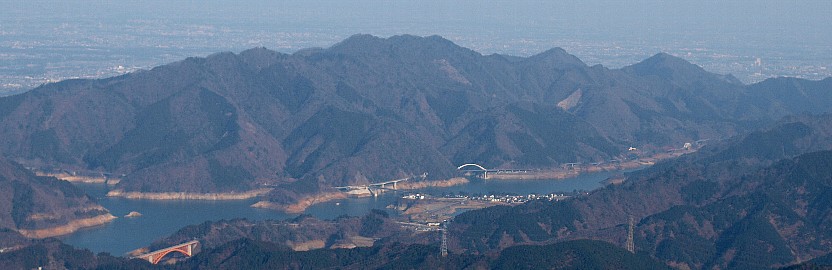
379 185
375 188
155 257
382 184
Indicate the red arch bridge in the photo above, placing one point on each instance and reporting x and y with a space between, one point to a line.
155 257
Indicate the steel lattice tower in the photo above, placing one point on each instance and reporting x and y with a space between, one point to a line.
631 247
444 248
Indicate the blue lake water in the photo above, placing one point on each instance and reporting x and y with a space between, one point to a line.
162 218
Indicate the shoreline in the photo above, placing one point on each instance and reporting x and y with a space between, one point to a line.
80 179
68 228
456 181
309 200
224 196
565 174
582 169
305 202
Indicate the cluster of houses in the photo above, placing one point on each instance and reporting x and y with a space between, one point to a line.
495 198
520 198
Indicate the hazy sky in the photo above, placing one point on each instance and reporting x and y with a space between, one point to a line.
52 40
757 21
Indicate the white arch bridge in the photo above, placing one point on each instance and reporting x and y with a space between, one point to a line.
479 168
484 171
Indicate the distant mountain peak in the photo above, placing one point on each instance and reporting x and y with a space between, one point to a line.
432 39
358 39
362 44
258 51
667 59
558 57
260 57
666 65
357 44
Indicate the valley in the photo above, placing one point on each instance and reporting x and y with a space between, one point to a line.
518 154
161 218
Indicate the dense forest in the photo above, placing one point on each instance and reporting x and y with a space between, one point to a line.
372 109
369 109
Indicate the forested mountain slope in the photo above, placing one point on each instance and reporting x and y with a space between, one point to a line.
758 200
372 109
39 207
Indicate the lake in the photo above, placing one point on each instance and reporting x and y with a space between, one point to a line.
162 218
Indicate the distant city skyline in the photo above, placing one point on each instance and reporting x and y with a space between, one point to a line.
45 41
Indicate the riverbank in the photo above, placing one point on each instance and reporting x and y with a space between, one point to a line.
456 181
221 196
577 170
439 209
161 218
305 202
68 228
302 203
81 179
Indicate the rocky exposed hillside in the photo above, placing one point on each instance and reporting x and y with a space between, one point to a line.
370 109
39 207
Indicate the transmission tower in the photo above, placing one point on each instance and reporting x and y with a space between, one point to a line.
631 247
444 248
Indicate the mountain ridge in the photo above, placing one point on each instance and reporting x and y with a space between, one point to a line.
329 117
